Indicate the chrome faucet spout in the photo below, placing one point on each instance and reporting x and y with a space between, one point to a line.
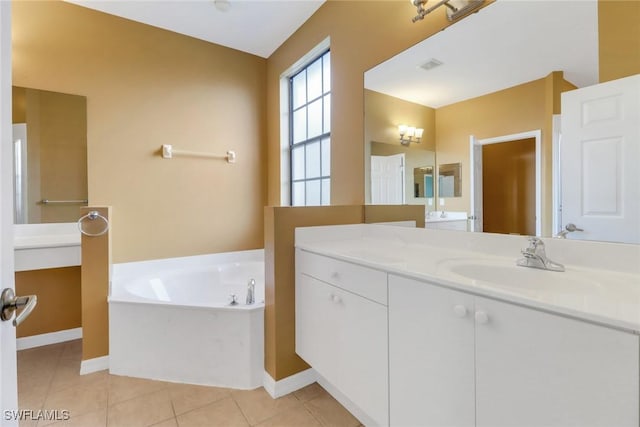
251 290
536 257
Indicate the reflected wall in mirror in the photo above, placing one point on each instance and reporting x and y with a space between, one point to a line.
423 184
492 87
391 178
449 180
50 155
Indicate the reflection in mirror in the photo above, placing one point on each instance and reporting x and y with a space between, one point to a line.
393 173
384 145
423 184
449 180
492 87
50 155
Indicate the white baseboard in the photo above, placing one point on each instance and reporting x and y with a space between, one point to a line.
94 365
346 402
49 338
290 384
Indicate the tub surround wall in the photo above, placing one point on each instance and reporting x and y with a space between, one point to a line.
95 276
281 361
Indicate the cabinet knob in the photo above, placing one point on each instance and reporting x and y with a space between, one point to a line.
335 298
482 317
460 310
335 275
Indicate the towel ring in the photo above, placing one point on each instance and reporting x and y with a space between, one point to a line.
93 215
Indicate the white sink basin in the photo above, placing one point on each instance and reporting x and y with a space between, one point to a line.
510 277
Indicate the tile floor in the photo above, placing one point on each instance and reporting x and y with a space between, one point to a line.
48 378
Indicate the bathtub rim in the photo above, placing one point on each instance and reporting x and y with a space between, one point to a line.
146 302
125 270
124 273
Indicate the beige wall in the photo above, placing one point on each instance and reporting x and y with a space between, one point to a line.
58 291
363 34
378 30
619 38
95 277
280 358
146 87
526 107
382 116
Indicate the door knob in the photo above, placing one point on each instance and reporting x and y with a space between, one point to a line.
10 303
460 310
572 227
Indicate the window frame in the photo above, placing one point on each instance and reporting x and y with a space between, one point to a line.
308 141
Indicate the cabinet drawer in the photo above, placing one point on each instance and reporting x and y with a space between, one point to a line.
363 281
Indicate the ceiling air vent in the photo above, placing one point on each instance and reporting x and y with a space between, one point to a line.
430 64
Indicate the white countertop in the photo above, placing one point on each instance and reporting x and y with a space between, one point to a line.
46 241
40 246
484 264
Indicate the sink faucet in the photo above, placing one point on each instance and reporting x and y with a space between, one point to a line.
251 289
535 257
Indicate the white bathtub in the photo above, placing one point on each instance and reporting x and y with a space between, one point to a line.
171 320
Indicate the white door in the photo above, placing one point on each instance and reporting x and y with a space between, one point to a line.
600 152
387 180
8 381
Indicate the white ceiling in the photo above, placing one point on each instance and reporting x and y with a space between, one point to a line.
258 27
505 44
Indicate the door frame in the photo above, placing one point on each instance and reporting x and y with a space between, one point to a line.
475 165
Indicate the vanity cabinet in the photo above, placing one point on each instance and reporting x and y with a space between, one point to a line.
461 360
341 329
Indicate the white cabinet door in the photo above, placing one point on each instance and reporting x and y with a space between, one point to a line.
539 369
431 366
344 337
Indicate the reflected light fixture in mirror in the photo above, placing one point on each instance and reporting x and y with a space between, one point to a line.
409 134
455 8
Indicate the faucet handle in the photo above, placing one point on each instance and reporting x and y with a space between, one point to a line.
534 242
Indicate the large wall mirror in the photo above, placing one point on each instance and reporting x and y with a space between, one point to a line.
49 155
494 78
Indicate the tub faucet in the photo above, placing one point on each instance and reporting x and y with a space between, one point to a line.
535 257
251 290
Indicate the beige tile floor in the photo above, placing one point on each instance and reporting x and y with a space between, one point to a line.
48 378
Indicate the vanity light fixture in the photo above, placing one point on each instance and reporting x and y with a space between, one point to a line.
455 8
409 134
